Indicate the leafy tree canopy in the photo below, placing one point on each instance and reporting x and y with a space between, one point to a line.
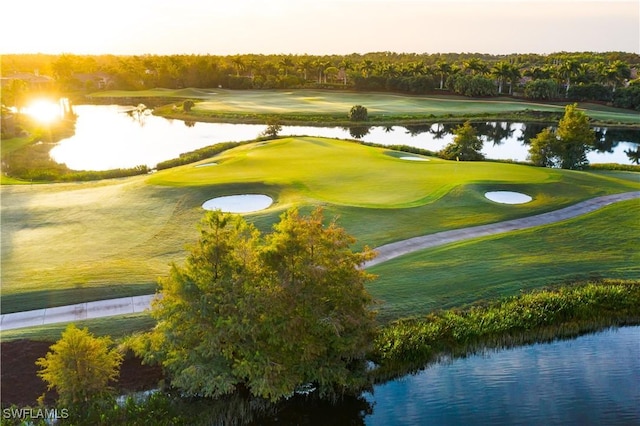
466 145
566 147
358 113
80 366
265 313
273 128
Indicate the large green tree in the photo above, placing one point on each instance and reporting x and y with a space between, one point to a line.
576 138
264 313
466 145
567 146
543 149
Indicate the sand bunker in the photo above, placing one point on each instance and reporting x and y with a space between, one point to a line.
508 197
207 164
414 158
239 203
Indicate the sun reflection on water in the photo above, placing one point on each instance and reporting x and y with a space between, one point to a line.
45 111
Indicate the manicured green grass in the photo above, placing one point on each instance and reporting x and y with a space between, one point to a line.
600 244
314 104
331 102
345 173
116 327
70 243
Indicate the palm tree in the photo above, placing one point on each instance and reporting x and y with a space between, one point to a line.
475 66
304 65
568 70
584 74
367 67
285 63
443 69
388 69
617 72
634 156
324 66
539 73
502 71
239 64
253 65
416 68
345 64
513 76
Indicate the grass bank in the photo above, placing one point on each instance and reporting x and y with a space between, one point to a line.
408 345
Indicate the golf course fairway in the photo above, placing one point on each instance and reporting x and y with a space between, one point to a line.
70 243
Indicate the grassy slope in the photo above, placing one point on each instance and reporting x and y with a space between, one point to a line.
600 244
69 243
345 173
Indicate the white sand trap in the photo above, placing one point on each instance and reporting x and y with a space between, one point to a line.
508 197
414 158
207 164
239 203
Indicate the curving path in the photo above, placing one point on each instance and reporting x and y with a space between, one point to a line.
399 248
130 305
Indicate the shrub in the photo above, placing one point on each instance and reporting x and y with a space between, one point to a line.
589 92
358 113
80 366
628 97
187 105
541 89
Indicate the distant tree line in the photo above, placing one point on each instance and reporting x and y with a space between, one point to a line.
578 76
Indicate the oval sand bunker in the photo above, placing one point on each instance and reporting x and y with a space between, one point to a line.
239 203
207 165
508 197
413 158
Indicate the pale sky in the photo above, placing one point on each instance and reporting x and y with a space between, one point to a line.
318 27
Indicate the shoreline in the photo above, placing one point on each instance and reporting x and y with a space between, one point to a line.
328 120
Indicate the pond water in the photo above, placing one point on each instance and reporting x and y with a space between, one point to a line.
107 137
590 380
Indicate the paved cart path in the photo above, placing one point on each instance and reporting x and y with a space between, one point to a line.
130 305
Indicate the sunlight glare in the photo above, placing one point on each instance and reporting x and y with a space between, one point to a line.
43 110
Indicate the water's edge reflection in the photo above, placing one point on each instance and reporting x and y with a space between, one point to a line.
106 137
592 379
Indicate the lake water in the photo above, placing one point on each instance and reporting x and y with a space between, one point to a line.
590 380
106 137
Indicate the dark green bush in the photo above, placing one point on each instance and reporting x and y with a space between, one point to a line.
358 113
628 97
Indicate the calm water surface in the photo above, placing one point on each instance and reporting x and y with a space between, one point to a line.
591 380
107 137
